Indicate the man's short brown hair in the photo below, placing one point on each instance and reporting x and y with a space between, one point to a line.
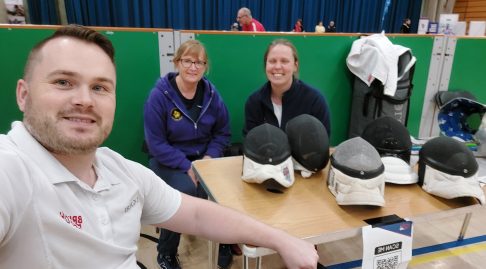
75 31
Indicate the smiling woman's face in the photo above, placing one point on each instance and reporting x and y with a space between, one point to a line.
280 66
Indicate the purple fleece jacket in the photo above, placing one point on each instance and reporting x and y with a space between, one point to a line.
172 136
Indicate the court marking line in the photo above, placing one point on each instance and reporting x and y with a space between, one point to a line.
431 253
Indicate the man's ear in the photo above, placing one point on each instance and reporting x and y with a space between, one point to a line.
22 92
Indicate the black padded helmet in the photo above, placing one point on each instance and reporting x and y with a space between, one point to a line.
448 156
390 138
266 144
308 141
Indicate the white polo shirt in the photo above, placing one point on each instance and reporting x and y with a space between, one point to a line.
51 219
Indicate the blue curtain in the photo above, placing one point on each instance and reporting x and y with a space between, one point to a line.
43 12
365 16
398 11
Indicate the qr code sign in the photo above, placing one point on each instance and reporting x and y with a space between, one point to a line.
388 261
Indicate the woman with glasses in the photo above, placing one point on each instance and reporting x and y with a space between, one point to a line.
284 96
185 119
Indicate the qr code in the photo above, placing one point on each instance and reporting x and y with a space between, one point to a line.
389 261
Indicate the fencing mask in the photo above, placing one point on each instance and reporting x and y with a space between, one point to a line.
267 155
309 144
356 174
448 169
392 141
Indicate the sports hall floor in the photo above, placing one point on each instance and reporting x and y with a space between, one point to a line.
435 247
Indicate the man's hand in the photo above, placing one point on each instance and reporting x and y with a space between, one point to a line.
298 254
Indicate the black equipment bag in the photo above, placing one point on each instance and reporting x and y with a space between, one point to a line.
369 103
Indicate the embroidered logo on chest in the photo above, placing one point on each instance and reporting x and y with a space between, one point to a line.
176 114
76 221
131 204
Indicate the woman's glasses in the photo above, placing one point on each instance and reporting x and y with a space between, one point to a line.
187 63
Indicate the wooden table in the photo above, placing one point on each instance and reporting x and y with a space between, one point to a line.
308 210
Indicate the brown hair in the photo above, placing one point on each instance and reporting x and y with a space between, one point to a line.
75 31
192 48
283 42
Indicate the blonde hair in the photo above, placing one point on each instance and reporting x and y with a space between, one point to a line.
192 48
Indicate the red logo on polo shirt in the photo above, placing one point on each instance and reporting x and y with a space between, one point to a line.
76 221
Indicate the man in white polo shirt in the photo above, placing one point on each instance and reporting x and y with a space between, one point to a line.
65 203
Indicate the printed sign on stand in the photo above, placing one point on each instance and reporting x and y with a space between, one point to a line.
423 26
433 28
387 246
477 28
447 22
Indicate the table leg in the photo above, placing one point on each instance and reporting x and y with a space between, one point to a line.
258 262
245 262
465 224
213 254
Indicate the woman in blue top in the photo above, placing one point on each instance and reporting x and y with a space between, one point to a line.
185 119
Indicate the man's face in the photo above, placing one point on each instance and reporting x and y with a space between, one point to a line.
243 18
69 98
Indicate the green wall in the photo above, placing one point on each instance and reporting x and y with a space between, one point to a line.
237 70
15 45
469 67
137 62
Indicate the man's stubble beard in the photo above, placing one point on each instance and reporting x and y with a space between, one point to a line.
45 131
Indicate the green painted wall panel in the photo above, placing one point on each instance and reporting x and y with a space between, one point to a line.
237 70
137 63
15 45
469 67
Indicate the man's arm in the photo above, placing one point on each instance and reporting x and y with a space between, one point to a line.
214 222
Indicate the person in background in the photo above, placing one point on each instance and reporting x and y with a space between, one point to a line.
185 119
247 22
283 96
320 28
298 27
405 28
331 28
70 203
234 27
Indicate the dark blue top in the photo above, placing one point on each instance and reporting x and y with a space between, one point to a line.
299 99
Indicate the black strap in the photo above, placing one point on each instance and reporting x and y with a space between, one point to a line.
149 237
141 265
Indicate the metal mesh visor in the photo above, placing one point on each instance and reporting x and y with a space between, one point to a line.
308 141
266 144
447 155
390 137
357 158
